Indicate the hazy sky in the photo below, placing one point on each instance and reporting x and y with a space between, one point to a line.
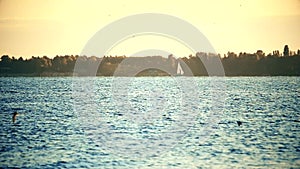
51 27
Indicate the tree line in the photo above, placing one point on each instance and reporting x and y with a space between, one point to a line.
242 64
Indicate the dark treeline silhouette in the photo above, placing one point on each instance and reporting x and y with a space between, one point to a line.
242 64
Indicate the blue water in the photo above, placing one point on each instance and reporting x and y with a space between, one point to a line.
150 122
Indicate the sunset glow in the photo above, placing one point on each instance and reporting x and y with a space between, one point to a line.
36 28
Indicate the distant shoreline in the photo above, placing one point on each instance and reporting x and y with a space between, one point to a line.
244 64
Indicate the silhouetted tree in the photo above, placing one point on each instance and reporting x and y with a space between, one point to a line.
286 50
5 59
244 64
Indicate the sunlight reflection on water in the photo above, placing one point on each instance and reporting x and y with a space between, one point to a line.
49 132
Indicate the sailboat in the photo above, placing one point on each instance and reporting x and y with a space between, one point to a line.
180 71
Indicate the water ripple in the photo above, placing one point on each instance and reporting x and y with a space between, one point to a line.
149 126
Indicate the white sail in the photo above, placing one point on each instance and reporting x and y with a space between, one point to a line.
179 69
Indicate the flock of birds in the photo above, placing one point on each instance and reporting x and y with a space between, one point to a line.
15 114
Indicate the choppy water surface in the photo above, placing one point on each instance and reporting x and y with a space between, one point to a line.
153 122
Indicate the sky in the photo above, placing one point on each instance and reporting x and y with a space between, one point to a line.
60 27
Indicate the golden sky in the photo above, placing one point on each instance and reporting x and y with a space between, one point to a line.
58 27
